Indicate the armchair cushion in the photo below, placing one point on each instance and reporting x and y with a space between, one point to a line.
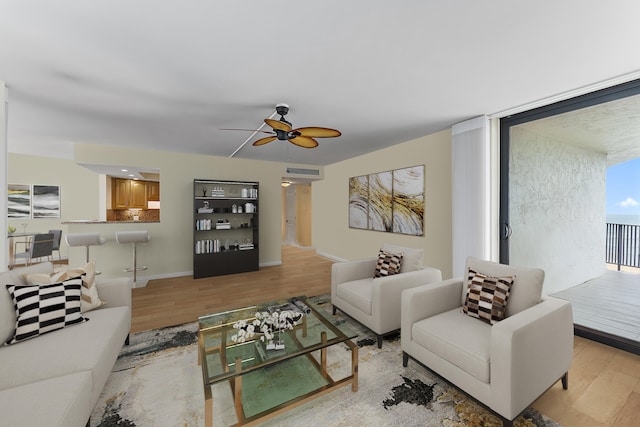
486 297
358 293
388 264
412 258
459 339
526 290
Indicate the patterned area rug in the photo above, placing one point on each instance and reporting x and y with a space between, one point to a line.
157 382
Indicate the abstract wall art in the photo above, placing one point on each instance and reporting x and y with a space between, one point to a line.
33 201
19 201
46 201
391 201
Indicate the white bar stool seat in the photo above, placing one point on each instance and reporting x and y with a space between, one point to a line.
84 239
134 238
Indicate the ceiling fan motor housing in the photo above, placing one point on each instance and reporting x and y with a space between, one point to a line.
282 109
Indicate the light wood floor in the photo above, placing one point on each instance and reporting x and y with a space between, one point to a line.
604 382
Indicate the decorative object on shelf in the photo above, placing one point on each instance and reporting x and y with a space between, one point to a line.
11 229
391 201
269 324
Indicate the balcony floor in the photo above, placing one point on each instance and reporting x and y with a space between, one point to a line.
607 308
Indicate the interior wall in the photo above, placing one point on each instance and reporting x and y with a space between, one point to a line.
4 252
330 203
303 214
557 204
170 251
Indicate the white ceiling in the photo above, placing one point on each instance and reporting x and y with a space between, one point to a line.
169 75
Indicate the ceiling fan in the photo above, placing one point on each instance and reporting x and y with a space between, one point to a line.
283 131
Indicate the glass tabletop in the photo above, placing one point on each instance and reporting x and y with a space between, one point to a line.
220 354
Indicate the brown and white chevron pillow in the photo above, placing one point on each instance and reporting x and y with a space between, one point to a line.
487 296
388 264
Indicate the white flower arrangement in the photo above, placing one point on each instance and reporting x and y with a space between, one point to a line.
267 324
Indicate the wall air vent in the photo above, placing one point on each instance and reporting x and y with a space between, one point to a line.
301 171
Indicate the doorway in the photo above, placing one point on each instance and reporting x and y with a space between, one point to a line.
296 215
553 163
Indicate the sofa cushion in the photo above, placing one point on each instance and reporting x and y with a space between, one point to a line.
412 258
526 290
7 309
458 339
90 346
388 264
487 296
45 308
60 401
357 293
90 298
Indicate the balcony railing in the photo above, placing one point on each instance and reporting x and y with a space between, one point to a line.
623 245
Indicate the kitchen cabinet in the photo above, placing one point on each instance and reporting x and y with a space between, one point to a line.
128 194
153 191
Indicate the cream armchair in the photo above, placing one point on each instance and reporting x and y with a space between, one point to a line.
376 302
505 366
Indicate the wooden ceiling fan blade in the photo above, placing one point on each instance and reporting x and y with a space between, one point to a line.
317 132
249 130
278 125
265 140
304 142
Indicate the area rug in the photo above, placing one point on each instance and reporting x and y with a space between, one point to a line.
157 382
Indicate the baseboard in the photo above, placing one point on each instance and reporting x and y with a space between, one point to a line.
331 257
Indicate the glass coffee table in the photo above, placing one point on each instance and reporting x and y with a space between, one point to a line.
265 383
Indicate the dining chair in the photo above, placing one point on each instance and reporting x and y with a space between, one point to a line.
40 246
57 237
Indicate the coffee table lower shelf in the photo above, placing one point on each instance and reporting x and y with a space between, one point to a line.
267 392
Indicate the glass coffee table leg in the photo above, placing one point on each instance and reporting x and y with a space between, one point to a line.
354 365
237 382
323 354
208 407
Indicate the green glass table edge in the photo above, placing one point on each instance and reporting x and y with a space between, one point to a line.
341 331
250 310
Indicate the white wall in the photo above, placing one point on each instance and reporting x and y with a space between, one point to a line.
4 252
330 198
557 204
170 251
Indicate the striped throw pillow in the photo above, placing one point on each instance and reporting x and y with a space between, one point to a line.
487 297
45 308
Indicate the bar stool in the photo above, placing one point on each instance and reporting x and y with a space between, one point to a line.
84 239
133 237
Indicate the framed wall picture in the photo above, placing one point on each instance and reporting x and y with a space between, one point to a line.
19 201
46 201
390 201
359 202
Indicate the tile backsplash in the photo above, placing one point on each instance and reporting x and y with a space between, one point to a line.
128 215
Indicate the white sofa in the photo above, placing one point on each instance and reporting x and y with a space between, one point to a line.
55 379
376 302
506 365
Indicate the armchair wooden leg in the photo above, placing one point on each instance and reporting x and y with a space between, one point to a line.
405 359
379 337
334 310
507 423
126 341
565 381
